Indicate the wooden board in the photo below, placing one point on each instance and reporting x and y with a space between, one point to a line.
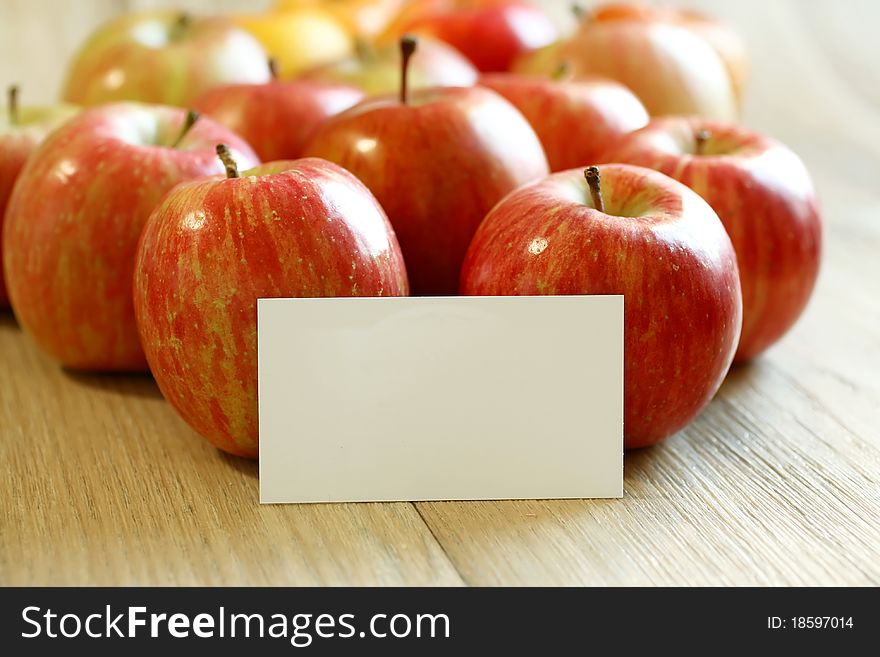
778 482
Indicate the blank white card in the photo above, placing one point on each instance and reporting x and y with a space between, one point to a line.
440 398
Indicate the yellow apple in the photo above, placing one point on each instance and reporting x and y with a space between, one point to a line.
543 61
364 18
301 39
377 71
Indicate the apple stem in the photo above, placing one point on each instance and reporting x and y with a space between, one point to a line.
191 117
580 12
273 67
363 50
225 156
184 19
13 104
701 137
595 183
563 70
407 49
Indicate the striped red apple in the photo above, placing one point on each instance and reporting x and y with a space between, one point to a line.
764 196
636 232
277 117
212 247
576 120
22 129
437 159
75 217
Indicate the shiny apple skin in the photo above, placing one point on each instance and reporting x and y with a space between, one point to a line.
277 118
727 43
725 40
669 68
434 64
671 259
213 247
576 120
75 217
17 142
437 166
766 200
491 34
363 18
301 39
137 58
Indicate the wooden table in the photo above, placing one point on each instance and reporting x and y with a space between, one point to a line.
778 482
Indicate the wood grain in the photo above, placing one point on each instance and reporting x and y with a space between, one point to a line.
778 482
105 485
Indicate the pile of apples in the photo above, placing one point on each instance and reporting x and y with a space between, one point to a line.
393 147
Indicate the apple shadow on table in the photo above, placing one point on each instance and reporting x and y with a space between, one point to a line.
137 384
741 375
248 467
142 384
7 320
638 462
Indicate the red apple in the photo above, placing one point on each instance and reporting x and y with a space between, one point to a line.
576 120
437 159
640 234
765 198
377 71
491 33
75 217
21 131
214 246
163 57
723 38
670 68
276 118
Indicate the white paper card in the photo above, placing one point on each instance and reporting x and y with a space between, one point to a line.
440 398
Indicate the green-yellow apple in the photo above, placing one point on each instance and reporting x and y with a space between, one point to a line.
377 71
764 196
22 129
76 214
636 232
437 159
166 57
214 246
